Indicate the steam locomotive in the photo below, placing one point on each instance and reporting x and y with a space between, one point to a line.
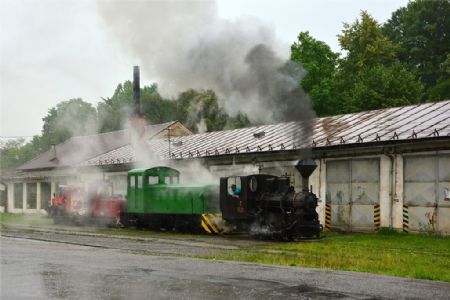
267 205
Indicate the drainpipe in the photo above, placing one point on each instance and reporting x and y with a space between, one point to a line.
393 192
320 178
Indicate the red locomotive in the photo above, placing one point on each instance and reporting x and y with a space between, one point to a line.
96 204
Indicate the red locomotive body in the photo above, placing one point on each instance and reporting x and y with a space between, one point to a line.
95 205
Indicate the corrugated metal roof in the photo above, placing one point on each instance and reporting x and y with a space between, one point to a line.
81 148
420 121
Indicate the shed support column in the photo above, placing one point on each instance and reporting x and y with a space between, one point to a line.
52 189
38 196
10 197
322 188
397 207
24 197
385 190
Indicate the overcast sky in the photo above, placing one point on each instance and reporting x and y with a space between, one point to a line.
55 50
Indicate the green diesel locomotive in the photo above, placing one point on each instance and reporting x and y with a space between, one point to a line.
156 199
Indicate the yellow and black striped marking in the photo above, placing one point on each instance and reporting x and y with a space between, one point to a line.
327 217
209 226
405 219
376 216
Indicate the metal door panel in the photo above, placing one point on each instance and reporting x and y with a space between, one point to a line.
362 217
444 219
422 219
420 168
427 180
444 191
420 193
444 168
352 192
340 217
338 171
338 193
367 170
366 193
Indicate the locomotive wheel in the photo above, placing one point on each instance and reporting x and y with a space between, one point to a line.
139 223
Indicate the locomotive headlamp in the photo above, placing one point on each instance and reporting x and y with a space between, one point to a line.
253 184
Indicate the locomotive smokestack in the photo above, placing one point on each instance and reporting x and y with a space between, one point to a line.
306 167
136 91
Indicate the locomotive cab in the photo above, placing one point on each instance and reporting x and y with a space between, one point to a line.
241 203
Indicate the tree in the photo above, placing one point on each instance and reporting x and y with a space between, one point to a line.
421 29
320 63
365 45
10 153
156 108
442 88
69 118
200 111
241 120
370 76
382 87
112 111
15 152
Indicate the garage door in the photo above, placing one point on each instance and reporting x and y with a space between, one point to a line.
426 197
352 196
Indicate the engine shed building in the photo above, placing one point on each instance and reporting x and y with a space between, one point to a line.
31 185
381 168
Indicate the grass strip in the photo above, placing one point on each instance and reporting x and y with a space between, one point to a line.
396 254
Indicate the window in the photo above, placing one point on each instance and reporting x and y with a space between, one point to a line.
31 195
132 181
153 179
139 182
234 185
105 190
18 195
45 194
119 182
168 180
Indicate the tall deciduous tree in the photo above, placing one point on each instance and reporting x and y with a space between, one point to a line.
156 108
112 111
69 118
320 63
422 31
370 75
10 153
442 88
200 111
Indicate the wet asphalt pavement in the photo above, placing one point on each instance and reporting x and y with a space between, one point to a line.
56 268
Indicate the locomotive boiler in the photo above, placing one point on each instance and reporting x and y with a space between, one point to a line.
267 205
